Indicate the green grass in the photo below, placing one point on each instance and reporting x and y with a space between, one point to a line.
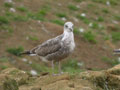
100 1
112 2
84 19
109 60
46 7
7 4
71 66
3 66
91 5
4 59
116 36
15 51
89 36
105 10
40 67
106 37
117 17
4 20
76 31
73 7
9 14
39 15
33 38
100 19
22 9
95 25
6 28
18 17
61 15
59 22
42 12
78 0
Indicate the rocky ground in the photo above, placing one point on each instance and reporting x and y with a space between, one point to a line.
15 79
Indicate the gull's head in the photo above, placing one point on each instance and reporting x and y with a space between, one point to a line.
68 26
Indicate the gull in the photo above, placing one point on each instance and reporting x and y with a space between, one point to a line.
56 49
116 51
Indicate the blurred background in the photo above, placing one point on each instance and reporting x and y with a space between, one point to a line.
25 24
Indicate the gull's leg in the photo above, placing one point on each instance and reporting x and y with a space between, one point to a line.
59 67
53 66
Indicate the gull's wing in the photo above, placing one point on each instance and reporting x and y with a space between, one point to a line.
48 47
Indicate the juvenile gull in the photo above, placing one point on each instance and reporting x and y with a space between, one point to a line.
116 51
57 48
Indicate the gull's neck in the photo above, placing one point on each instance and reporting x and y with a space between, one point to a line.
68 35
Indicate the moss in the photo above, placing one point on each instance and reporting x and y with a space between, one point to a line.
10 84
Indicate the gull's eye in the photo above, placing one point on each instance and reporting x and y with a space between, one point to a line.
66 26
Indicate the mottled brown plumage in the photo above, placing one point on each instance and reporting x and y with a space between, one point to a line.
57 48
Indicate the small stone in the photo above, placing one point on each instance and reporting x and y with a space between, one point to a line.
83 15
27 38
39 21
78 6
90 24
81 30
80 64
10 1
59 4
24 60
108 3
75 19
30 62
115 22
33 72
12 10
63 18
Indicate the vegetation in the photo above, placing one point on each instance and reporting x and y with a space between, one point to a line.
22 8
61 15
7 4
89 36
116 36
100 19
4 20
34 38
73 7
110 61
15 51
83 18
20 18
59 22
76 31
71 66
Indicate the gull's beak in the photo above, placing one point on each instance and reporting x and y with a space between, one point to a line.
71 29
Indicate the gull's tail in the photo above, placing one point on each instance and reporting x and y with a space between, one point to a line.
116 51
28 53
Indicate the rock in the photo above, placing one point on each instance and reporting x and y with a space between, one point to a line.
11 78
106 79
14 79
